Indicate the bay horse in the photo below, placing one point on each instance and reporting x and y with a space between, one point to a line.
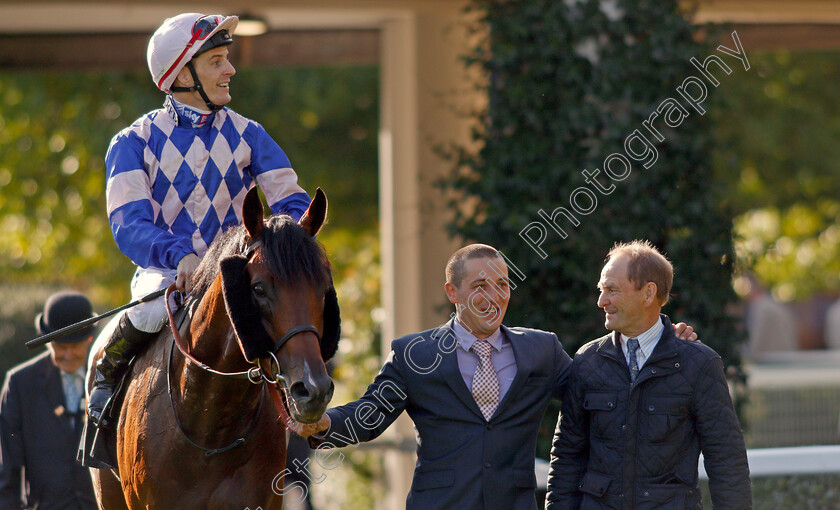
197 428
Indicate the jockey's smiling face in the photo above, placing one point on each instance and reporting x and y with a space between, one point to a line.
481 297
214 70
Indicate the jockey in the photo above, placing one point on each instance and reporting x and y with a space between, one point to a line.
177 178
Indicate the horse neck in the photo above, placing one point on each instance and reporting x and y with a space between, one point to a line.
210 337
208 401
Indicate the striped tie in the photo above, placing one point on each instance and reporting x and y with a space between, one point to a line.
485 383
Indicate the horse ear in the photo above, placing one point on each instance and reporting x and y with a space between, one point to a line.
253 213
314 217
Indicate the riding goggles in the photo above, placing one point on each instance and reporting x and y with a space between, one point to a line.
204 25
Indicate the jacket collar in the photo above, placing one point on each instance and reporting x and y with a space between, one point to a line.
524 363
666 348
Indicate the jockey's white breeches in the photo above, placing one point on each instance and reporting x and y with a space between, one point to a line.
150 316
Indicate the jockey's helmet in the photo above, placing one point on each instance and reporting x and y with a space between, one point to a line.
181 38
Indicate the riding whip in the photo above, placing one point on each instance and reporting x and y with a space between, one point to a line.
49 337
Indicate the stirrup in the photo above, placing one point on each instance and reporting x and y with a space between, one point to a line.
103 422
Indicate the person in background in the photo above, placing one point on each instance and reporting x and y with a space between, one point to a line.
41 416
771 325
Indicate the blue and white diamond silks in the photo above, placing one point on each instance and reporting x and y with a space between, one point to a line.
173 188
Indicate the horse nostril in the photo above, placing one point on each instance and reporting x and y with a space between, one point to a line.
299 391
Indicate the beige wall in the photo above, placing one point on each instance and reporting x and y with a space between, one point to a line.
766 11
422 86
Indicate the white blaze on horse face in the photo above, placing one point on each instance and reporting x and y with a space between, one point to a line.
307 373
313 394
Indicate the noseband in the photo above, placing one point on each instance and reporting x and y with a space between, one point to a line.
271 377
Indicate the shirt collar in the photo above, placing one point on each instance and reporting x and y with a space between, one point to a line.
466 339
186 115
647 340
80 372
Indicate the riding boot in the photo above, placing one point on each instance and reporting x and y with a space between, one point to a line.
126 341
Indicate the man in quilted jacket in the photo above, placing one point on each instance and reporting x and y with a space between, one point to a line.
642 404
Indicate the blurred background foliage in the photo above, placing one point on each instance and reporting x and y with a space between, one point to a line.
776 152
54 131
811 492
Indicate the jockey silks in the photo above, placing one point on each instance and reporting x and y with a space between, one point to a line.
172 188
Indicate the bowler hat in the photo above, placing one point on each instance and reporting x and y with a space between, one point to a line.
61 310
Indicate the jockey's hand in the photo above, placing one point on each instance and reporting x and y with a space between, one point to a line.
307 429
685 332
186 268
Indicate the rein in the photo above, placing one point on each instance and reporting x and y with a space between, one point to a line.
255 375
208 452
252 374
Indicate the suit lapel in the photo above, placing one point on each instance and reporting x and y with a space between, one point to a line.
451 372
524 365
54 393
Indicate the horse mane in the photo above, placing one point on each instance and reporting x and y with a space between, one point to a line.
292 255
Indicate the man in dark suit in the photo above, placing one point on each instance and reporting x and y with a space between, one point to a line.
475 389
41 413
642 404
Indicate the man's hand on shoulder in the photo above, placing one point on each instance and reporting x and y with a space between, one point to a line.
308 429
685 332
186 268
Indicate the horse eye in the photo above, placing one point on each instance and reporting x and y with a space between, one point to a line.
258 289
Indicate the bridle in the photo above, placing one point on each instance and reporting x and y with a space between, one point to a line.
271 377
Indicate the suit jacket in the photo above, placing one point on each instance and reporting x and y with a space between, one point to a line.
39 436
463 460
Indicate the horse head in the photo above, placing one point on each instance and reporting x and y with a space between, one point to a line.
280 297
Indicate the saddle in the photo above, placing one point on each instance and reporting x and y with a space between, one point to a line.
97 447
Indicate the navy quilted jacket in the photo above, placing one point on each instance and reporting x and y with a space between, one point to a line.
636 446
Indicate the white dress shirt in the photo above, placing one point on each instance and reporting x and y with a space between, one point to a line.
647 342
